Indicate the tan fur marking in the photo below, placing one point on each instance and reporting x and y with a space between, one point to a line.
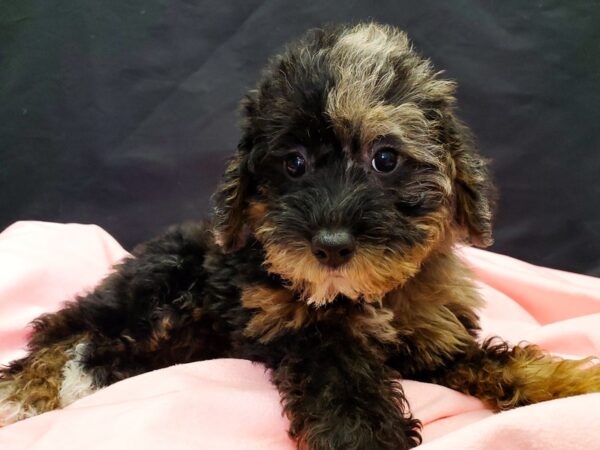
527 376
545 377
278 311
428 307
37 385
161 333
256 212
369 275
366 62
374 323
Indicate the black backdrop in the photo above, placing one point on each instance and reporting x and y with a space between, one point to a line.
122 112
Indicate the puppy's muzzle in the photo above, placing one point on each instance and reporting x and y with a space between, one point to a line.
333 247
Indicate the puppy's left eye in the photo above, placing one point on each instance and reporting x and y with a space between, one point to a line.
295 165
385 160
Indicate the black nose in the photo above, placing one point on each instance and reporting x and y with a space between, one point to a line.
333 247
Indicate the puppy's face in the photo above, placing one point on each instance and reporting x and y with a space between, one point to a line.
352 168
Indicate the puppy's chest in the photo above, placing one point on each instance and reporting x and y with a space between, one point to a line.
276 312
257 306
411 334
411 323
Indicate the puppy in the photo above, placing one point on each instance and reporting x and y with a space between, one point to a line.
329 259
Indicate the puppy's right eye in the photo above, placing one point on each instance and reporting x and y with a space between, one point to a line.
295 165
385 160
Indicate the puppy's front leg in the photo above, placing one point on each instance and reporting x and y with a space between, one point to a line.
339 395
506 377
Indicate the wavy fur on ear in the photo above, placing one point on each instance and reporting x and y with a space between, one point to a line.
228 218
229 215
474 191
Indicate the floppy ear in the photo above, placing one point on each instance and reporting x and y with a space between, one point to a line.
474 191
230 199
230 205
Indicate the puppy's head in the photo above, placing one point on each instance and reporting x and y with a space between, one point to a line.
352 167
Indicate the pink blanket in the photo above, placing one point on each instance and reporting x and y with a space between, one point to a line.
230 404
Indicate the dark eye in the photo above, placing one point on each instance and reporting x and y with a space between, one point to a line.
385 160
295 165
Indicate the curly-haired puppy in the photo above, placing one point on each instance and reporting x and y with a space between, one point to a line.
329 259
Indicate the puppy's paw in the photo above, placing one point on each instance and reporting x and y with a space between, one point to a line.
352 433
590 379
